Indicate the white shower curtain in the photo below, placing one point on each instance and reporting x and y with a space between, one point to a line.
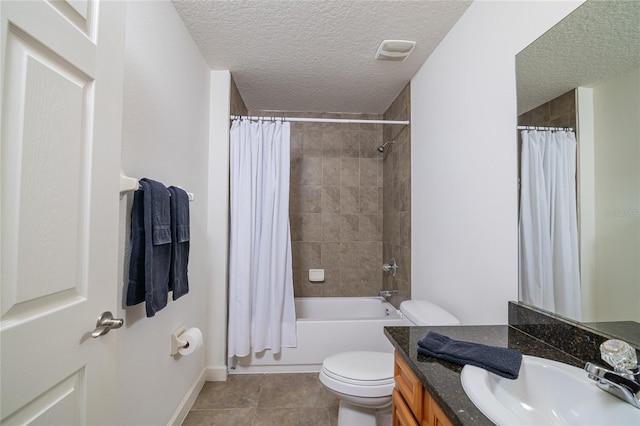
549 262
261 305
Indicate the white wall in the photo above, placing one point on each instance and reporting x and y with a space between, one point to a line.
216 362
165 138
464 175
617 198
586 200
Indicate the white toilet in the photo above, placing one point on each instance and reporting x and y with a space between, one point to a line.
363 380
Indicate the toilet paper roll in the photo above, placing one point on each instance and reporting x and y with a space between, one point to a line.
191 341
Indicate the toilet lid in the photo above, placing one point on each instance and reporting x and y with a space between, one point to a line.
363 367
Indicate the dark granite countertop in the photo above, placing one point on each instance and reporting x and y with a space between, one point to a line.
442 379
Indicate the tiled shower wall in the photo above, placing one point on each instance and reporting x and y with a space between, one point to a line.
335 205
397 197
350 205
236 104
559 112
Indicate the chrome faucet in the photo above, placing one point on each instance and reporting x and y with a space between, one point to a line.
624 380
387 293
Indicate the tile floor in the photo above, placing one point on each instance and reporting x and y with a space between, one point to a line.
285 399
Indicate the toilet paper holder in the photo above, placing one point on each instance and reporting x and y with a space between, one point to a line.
176 342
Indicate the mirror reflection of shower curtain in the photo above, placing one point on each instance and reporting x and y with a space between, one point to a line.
549 263
261 305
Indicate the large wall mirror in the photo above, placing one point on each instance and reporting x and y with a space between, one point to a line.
588 67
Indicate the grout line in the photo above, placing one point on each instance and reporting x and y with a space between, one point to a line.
262 379
256 408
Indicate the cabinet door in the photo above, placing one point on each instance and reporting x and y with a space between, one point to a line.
425 420
401 415
409 386
436 415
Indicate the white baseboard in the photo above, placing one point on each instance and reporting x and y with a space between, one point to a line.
188 401
273 368
217 373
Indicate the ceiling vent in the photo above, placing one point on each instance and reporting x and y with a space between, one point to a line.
395 50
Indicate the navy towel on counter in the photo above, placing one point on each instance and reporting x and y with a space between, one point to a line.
180 235
501 361
150 247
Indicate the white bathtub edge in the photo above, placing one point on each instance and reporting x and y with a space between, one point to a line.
319 336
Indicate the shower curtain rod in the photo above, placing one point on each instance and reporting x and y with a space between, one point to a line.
318 120
570 129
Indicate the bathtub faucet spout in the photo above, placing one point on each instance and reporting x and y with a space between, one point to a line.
387 293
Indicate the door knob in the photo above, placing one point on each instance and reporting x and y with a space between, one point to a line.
106 322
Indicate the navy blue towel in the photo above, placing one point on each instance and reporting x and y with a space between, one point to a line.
180 235
150 247
501 361
135 288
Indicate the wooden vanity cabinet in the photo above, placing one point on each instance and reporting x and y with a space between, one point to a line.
412 404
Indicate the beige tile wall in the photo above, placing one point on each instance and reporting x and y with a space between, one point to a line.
397 197
350 206
559 112
336 205
236 104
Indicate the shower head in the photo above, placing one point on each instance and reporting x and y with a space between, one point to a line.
384 145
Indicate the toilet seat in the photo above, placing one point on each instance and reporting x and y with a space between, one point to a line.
359 373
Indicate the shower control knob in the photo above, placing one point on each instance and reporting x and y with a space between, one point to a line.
391 267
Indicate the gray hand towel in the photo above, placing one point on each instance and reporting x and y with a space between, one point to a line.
501 361
180 235
151 247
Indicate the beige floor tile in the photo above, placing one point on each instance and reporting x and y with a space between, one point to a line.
239 391
292 390
331 400
288 399
226 417
291 417
333 404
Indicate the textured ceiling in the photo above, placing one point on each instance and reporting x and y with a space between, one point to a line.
316 56
598 41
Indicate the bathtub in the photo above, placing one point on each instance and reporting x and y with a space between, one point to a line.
325 326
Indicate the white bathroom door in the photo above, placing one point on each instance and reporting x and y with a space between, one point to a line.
62 66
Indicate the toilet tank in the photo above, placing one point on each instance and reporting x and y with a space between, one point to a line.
422 312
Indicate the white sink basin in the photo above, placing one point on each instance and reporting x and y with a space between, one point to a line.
545 393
